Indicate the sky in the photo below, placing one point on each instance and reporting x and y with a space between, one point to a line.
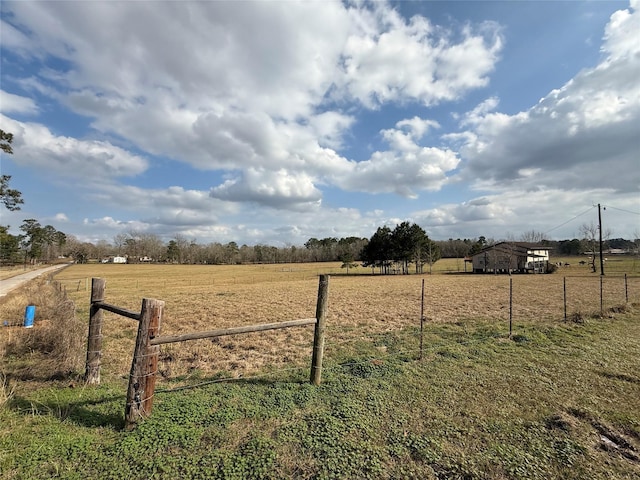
273 122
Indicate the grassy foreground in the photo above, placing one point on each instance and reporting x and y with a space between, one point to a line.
558 400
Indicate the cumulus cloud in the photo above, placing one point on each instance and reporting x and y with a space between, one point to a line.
276 112
173 201
572 132
205 92
621 33
160 211
390 59
513 211
10 103
36 146
417 126
277 189
406 168
329 128
403 173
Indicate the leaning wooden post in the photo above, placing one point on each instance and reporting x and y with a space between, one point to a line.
94 339
142 379
318 335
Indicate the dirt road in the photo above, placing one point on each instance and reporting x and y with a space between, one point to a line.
12 283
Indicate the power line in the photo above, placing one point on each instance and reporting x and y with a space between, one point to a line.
571 220
622 210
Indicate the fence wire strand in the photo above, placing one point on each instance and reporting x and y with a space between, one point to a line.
374 339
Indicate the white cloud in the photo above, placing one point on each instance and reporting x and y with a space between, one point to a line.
390 59
108 227
282 189
14 39
571 133
621 34
406 168
204 92
278 109
329 128
175 202
417 126
10 103
36 146
402 173
513 211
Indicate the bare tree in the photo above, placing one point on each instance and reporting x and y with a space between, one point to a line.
590 239
182 245
119 242
589 233
531 236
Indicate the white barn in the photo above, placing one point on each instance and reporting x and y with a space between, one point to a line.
509 257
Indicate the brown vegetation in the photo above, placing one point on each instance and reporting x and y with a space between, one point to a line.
360 306
57 338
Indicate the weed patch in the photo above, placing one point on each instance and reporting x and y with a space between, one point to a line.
57 338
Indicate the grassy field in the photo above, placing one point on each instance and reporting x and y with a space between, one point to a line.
557 400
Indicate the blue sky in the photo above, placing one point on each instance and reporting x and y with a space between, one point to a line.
275 122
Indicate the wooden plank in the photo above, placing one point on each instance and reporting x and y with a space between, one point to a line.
94 338
232 331
120 311
142 378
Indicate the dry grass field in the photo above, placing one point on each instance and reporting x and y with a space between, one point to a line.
361 305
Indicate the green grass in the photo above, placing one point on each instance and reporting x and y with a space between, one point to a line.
478 405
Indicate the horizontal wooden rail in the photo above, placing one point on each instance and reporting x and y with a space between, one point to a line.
232 331
120 311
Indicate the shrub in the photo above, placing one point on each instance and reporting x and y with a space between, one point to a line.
577 317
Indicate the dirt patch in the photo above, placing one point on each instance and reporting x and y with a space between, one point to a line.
608 438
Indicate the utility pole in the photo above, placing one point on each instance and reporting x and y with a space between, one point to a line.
600 230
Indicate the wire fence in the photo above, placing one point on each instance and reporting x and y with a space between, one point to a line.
517 303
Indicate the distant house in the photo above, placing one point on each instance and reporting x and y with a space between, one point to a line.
512 257
116 259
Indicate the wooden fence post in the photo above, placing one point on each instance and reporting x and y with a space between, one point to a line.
564 293
318 335
422 320
94 339
142 379
510 307
601 297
